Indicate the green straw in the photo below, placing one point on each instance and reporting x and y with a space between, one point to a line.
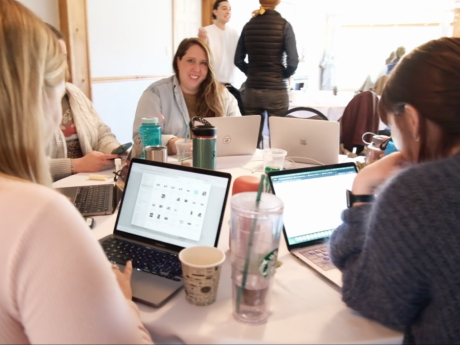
248 253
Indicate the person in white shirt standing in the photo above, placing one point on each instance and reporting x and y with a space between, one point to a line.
222 41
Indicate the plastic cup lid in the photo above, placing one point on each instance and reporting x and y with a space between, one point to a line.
246 202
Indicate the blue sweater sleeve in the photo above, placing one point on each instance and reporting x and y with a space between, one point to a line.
377 248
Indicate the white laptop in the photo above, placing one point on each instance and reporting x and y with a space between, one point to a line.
314 199
164 209
307 141
236 135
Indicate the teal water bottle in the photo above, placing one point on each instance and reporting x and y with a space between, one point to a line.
204 144
150 133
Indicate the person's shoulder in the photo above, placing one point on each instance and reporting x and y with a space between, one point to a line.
161 84
423 181
27 198
75 92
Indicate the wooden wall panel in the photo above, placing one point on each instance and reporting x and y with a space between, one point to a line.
72 15
206 12
456 32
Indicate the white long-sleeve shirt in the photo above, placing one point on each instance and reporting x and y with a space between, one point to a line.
56 284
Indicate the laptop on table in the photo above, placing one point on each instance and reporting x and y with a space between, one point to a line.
236 135
164 209
306 140
314 199
95 200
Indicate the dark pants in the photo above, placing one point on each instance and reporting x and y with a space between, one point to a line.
264 101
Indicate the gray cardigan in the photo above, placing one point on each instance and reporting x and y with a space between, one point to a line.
400 257
165 97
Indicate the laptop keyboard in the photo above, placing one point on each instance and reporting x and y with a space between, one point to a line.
146 259
320 256
93 198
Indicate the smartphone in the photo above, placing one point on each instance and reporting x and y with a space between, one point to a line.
122 149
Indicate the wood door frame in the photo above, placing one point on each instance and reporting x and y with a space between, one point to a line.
206 12
74 27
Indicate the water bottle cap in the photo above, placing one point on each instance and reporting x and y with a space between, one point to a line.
150 120
206 130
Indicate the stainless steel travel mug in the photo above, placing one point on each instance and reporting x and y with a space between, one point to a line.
204 144
156 153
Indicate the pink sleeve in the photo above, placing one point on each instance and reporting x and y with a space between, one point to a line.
62 287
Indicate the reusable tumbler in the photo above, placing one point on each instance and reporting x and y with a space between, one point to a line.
204 144
255 235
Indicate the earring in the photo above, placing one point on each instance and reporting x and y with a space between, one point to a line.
417 139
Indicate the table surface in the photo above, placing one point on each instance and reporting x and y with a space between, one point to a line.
305 308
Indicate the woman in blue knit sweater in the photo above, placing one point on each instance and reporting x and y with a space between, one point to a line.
400 255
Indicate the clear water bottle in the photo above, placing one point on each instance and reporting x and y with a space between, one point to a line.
150 132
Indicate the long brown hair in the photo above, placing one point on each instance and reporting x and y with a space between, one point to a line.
31 65
210 93
429 80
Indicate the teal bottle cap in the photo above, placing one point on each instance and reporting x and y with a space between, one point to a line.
150 120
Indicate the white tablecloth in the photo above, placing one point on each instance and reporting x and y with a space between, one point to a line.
305 307
324 101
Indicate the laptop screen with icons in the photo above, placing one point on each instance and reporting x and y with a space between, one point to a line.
171 205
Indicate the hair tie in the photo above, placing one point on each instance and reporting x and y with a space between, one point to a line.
260 11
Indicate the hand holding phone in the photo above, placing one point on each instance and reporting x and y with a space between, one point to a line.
121 149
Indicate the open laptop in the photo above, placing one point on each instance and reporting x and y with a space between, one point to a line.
95 200
164 209
314 199
306 140
236 135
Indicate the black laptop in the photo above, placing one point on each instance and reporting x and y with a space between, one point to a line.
164 209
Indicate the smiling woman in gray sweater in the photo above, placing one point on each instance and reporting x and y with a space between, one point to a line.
400 255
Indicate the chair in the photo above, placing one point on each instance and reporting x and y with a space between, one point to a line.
306 113
360 116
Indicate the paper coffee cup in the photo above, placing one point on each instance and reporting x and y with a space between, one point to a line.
201 268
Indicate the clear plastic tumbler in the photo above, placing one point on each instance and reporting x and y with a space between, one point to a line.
255 236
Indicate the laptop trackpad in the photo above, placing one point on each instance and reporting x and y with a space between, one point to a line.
152 289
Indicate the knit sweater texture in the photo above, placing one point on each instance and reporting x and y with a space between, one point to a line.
400 256
93 134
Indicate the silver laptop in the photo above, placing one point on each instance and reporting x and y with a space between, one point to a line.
310 219
308 141
97 200
236 135
164 209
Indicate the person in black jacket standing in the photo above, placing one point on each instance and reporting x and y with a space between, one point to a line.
269 42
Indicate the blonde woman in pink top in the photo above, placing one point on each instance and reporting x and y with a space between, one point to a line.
56 285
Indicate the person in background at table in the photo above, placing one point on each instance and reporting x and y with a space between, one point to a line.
193 90
222 41
266 39
56 285
399 254
82 143
399 55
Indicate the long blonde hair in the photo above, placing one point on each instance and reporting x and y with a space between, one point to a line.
210 101
31 64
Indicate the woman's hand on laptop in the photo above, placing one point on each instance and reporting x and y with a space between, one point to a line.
93 162
375 174
124 279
